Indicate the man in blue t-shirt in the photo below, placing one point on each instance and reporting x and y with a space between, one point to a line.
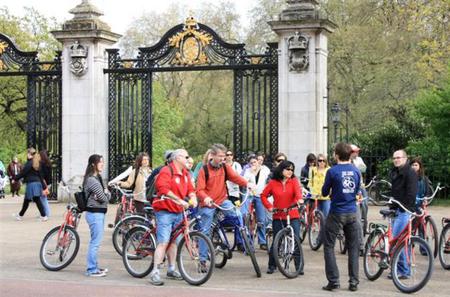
343 181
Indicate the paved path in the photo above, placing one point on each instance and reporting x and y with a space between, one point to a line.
21 273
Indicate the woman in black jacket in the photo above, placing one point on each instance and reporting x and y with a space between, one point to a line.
32 175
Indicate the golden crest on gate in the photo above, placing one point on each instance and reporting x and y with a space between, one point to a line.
190 45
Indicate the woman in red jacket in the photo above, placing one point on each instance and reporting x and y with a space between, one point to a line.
286 191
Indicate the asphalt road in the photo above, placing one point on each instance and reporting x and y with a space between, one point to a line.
21 273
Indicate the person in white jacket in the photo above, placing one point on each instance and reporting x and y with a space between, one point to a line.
257 175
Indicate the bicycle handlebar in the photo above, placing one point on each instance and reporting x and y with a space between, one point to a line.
127 193
286 210
234 205
428 199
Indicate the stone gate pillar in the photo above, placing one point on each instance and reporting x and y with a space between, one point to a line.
84 89
302 81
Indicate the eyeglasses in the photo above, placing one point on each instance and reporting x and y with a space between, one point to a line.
187 157
320 161
289 169
229 154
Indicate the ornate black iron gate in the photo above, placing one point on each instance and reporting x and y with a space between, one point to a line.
191 47
44 99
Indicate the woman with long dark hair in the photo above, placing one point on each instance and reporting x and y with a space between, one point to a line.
136 181
285 189
46 175
31 173
423 184
97 204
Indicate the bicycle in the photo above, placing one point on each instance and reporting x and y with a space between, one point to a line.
61 244
140 245
311 221
128 218
222 247
444 244
424 226
378 189
287 247
382 251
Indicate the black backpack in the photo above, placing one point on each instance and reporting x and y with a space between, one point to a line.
81 199
151 184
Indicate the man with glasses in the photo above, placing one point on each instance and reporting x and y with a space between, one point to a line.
233 188
211 189
174 186
404 190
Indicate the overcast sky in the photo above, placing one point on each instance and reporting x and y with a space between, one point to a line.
118 14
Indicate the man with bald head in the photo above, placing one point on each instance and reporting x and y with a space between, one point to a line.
404 189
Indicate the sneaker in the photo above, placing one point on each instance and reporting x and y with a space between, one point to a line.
105 270
240 247
17 216
271 270
155 279
203 268
97 274
331 287
44 219
174 275
263 247
353 287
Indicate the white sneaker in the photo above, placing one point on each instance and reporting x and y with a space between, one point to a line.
44 219
17 216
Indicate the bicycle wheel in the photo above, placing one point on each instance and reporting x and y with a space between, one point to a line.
138 251
314 230
251 224
444 247
303 230
194 270
220 247
122 228
418 260
59 249
375 259
287 252
430 235
250 250
269 238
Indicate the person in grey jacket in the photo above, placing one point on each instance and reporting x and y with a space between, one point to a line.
97 204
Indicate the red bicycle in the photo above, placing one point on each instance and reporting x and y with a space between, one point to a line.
140 244
312 221
61 244
444 244
424 225
383 251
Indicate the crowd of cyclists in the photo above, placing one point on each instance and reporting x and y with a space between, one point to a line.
218 181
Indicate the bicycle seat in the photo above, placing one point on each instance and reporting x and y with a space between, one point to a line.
387 212
148 209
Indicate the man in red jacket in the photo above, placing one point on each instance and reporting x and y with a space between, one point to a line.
173 185
211 188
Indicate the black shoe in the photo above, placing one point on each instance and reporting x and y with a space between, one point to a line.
353 287
331 287
263 246
270 270
389 276
240 248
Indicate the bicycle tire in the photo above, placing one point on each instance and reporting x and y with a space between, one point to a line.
342 244
281 249
375 254
122 228
445 235
220 246
303 230
269 238
139 237
193 254
64 254
250 250
433 238
316 224
400 283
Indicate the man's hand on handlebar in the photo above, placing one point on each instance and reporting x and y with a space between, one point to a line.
208 201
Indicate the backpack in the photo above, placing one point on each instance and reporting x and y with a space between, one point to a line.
151 184
81 199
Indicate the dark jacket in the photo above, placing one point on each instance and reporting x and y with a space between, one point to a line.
29 174
404 186
46 172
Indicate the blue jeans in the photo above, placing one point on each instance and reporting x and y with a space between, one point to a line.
206 219
324 207
260 216
45 205
401 220
96 222
165 222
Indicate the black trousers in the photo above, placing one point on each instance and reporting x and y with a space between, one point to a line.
26 203
349 223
